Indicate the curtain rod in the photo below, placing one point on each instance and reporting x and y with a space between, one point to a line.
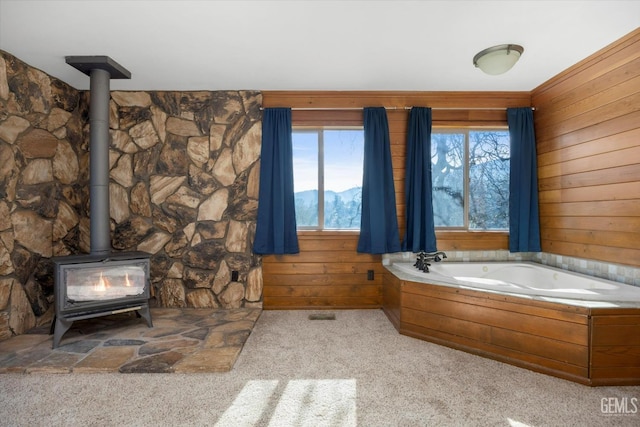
389 108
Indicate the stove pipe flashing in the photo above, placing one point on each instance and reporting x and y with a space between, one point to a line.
100 69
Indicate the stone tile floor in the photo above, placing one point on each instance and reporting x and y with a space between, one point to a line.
181 340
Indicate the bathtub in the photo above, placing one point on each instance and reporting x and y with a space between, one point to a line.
545 319
526 279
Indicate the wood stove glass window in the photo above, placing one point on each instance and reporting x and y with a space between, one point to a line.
103 282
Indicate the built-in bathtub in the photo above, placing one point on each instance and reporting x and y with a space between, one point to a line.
526 279
546 319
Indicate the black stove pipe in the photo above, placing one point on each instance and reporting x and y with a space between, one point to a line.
99 162
100 70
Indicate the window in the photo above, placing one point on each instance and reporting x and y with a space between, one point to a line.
470 175
327 176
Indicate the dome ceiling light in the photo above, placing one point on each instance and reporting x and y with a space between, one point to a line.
498 59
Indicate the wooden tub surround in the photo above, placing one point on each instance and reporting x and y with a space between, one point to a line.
588 345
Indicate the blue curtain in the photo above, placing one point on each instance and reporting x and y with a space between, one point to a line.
379 223
524 223
276 224
420 233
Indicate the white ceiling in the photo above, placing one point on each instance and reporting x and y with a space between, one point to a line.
311 45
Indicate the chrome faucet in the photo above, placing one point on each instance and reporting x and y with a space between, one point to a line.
422 262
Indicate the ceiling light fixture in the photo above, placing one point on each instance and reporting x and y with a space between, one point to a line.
498 59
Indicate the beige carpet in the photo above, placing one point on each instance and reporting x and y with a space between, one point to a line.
355 370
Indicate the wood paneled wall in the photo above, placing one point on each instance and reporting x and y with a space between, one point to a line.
328 272
587 123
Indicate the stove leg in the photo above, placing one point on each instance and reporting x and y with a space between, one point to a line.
146 314
61 326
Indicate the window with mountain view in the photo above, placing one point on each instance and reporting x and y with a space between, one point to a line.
470 175
327 175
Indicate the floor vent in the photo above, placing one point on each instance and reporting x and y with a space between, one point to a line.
322 316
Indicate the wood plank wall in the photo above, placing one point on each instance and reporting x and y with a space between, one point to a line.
587 124
328 272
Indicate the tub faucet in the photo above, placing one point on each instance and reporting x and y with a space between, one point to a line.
422 261
436 256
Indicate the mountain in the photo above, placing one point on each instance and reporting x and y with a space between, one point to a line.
310 196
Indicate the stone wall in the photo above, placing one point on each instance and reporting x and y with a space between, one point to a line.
184 188
42 189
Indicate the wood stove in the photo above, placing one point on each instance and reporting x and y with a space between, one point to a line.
99 283
89 286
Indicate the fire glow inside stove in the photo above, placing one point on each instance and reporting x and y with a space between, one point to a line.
88 286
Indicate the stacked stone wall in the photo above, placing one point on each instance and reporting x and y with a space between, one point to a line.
42 189
184 187
184 169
